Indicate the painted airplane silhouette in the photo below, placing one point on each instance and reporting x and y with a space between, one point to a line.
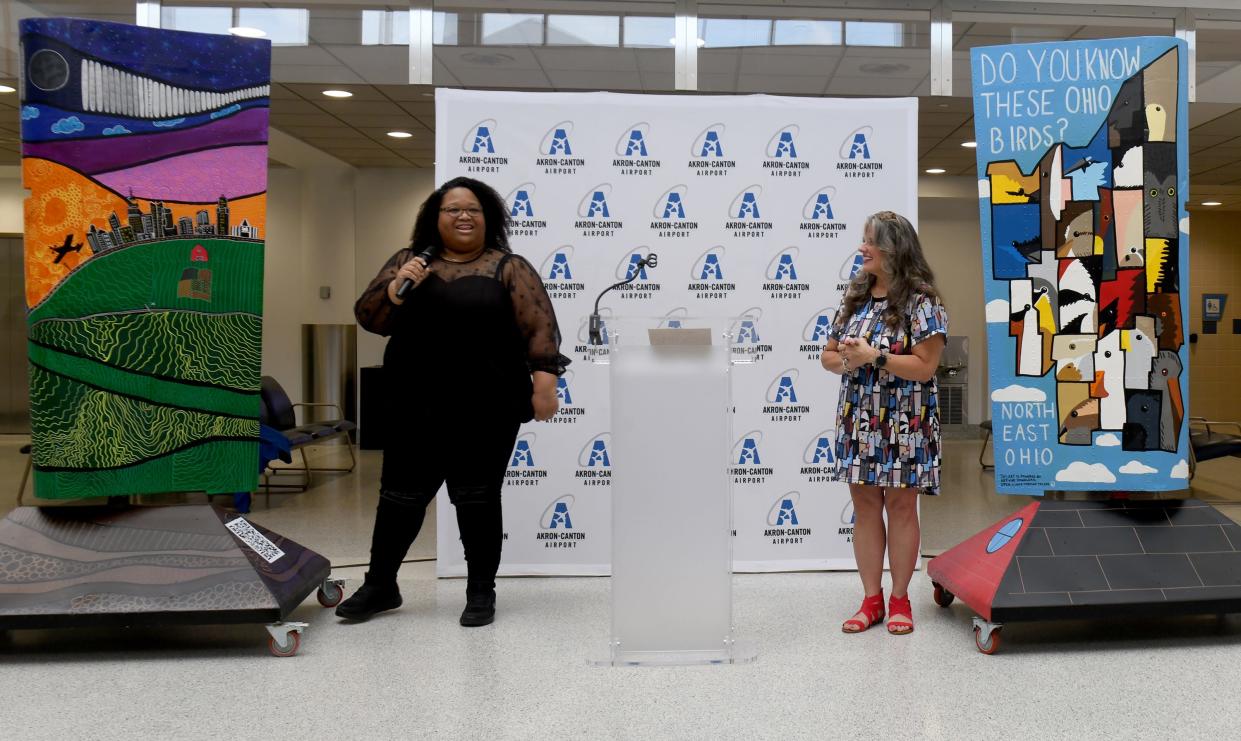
65 249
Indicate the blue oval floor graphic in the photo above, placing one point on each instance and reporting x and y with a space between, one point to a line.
1004 535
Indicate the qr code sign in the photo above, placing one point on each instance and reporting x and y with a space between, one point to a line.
258 543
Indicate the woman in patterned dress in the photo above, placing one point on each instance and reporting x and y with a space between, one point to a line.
885 341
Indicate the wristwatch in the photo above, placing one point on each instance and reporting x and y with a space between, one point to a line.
882 360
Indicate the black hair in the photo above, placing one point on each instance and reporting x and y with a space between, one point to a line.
495 216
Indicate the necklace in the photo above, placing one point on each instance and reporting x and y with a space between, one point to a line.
473 256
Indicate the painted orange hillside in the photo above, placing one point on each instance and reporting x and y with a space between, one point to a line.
64 203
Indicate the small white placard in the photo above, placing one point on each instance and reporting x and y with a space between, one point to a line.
258 542
680 336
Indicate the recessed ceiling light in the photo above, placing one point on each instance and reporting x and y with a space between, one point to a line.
247 31
1211 203
969 145
428 95
7 89
338 93
399 134
935 171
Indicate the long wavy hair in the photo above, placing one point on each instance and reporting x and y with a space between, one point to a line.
495 215
904 266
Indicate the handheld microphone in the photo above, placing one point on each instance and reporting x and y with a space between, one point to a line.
596 323
427 256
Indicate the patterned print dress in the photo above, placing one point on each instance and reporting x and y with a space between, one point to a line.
887 430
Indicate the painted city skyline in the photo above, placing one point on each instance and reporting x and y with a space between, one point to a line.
158 224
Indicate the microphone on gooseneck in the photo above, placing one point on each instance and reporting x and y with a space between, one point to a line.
427 256
596 322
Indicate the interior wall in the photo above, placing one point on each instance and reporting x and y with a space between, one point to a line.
283 280
1214 267
11 198
386 200
949 231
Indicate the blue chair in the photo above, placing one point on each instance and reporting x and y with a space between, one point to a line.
1208 441
279 413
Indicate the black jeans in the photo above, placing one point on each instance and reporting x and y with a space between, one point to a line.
471 456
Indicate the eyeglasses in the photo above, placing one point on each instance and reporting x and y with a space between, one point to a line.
455 213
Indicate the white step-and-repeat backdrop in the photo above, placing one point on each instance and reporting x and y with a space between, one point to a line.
755 206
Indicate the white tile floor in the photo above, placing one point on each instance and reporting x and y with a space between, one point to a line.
415 673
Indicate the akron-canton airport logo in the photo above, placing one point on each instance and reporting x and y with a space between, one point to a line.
523 212
707 153
583 349
668 214
674 318
524 468
781 154
849 270
781 402
747 460
570 412
747 334
632 156
709 278
847 518
556 155
594 461
557 273
630 266
783 282
745 214
478 148
817 332
595 213
819 457
556 526
818 215
784 527
857 155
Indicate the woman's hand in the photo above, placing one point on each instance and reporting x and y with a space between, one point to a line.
857 351
544 400
415 270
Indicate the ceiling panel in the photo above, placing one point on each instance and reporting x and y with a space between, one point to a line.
601 60
462 58
783 85
594 80
408 94
1229 123
314 91
872 86
331 75
778 65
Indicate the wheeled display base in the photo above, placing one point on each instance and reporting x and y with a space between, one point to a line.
67 567
1055 560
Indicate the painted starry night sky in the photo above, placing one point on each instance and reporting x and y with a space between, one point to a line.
195 60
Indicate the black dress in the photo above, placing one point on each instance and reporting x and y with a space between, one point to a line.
458 365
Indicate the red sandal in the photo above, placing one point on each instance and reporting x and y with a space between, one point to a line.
901 621
871 610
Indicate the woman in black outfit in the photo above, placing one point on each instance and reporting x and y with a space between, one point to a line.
474 352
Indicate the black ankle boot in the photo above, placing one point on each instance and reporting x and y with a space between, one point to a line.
371 597
480 608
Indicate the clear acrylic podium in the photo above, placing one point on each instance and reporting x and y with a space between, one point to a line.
671 492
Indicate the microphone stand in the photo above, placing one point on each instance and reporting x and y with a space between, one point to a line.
596 330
